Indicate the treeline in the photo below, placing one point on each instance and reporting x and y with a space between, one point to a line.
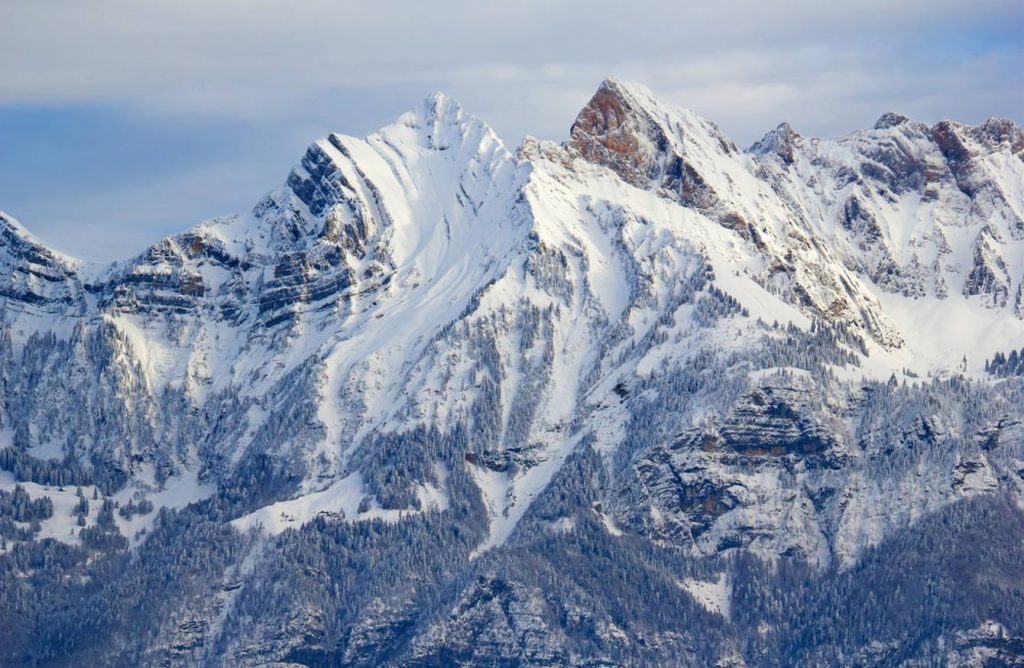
1003 365
53 472
18 506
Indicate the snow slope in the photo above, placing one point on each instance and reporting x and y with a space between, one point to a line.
423 301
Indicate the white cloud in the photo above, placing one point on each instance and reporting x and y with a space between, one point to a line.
255 59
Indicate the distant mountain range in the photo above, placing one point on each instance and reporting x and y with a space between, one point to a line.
639 398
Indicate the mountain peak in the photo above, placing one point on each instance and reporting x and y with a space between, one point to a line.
442 123
997 132
890 119
616 129
779 142
439 105
13 233
631 90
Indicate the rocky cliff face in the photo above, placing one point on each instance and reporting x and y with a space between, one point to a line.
440 402
37 279
920 211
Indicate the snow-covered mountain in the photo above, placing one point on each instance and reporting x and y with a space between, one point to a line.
643 347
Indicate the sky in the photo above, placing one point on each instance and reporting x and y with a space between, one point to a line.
122 122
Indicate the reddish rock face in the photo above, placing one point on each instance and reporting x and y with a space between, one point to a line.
945 135
611 132
616 132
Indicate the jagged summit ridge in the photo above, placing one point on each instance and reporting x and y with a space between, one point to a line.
363 221
780 142
434 208
890 119
625 128
443 119
922 211
377 249
428 395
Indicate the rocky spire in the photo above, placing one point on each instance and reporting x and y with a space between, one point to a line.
780 142
614 130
